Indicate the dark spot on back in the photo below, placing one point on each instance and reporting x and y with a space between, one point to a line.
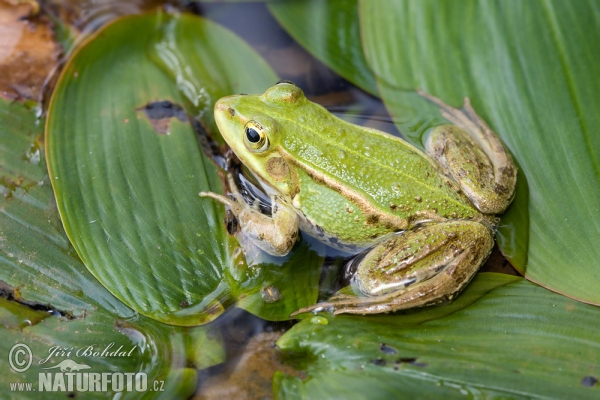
372 219
391 227
439 268
410 282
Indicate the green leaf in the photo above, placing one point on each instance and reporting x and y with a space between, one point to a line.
530 71
330 31
37 263
144 346
127 177
42 278
128 191
273 291
503 337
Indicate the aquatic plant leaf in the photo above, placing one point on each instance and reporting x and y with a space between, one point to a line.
531 73
100 343
503 337
330 31
127 167
273 291
130 211
37 263
49 298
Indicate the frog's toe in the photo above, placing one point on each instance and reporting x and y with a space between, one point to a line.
342 303
235 206
340 300
356 305
315 308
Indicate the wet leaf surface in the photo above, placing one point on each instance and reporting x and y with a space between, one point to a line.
250 376
537 88
127 170
37 262
311 23
529 73
274 291
503 337
50 301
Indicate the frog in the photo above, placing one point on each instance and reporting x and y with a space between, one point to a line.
423 222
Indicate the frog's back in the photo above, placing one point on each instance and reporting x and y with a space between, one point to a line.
389 174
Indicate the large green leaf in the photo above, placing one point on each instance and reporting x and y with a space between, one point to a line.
128 195
161 352
530 70
310 22
504 337
274 291
133 199
49 297
37 263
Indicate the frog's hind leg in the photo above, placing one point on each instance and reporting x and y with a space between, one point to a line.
472 154
420 267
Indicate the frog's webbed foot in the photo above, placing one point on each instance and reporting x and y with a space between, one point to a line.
420 267
473 155
275 234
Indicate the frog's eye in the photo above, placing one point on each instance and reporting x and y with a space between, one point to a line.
285 82
255 136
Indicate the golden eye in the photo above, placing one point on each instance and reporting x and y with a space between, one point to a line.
255 136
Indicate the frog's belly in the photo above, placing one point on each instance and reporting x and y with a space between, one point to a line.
343 243
334 220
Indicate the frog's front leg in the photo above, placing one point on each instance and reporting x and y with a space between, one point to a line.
275 234
472 154
423 266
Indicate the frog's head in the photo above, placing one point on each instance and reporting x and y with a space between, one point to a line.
255 127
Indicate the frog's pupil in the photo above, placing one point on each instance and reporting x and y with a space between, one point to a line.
252 135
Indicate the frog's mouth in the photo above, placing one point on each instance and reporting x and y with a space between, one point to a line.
231 124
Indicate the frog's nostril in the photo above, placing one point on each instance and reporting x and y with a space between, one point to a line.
231 111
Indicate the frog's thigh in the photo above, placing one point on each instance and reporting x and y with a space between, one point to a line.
473 156
420 267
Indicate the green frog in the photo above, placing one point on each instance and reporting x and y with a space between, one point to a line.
425 221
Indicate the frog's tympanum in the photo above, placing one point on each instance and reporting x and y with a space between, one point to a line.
426 218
